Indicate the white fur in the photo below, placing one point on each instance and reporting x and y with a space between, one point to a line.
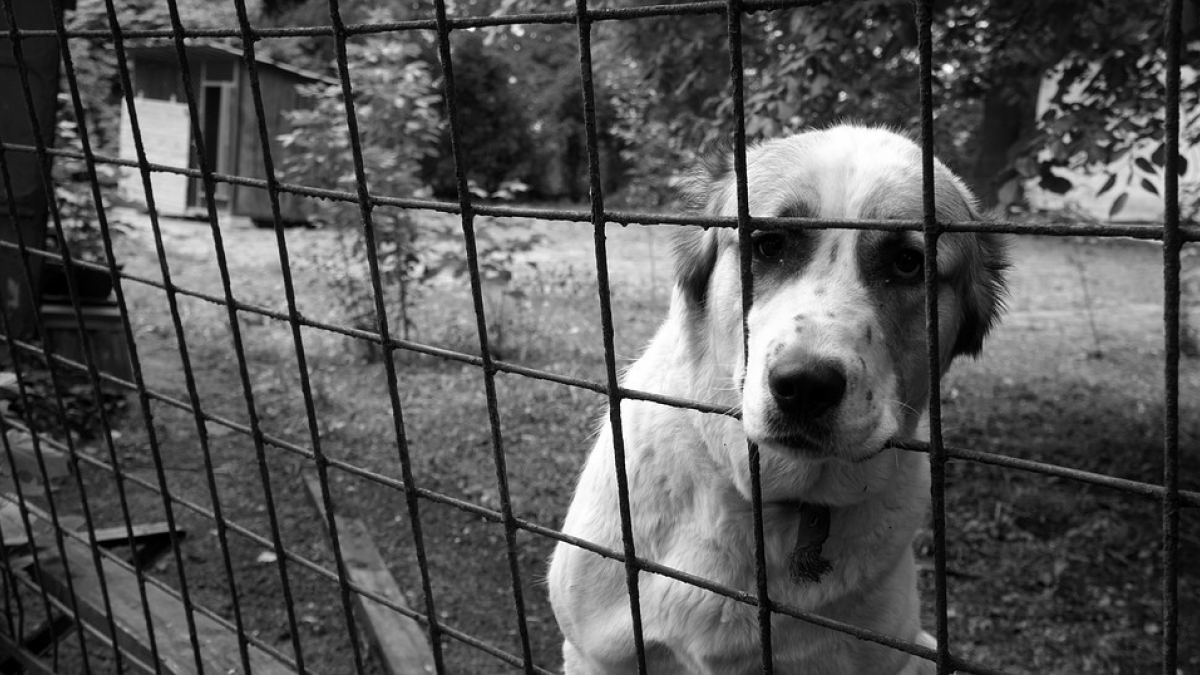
688 475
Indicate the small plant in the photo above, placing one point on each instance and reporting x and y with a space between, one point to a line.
396 105
74 200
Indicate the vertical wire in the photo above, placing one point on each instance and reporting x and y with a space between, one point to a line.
135 361
932 229
181 342
365 205
35 436
11 592
489 368
1172 246
745 229
24 513
235 330
22 394
319 458
606 320
45 163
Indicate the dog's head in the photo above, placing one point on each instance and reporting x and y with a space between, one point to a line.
837 360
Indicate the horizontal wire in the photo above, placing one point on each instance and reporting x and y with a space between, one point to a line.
108 555
1186 498
396 343
496 517
1136 229
454 23
265 542
714 7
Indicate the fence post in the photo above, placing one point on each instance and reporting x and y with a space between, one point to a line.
28 195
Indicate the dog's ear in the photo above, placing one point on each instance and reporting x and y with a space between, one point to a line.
703 191
695 258
704 187
983 296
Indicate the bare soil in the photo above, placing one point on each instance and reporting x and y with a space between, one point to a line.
1046 575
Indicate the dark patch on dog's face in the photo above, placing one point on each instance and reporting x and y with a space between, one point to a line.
970 267
975 271
779 255
883 259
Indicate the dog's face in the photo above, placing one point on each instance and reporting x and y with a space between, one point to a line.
837 362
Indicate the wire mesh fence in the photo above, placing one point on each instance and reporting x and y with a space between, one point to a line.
95 559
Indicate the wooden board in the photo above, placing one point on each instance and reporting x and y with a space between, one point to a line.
399 640
218 645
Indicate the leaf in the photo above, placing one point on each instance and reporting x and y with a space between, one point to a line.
1182 165
1118 204
1149 187
1108 184
1159 157
1052 181
1144 164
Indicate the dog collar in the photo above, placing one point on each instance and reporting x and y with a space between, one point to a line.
806 564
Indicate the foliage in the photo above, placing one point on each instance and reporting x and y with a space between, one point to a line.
519 99
493 126
858 60
95 59
397 125
73 195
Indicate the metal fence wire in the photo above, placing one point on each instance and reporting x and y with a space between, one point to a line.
103 628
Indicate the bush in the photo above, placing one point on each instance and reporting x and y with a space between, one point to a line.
395 106
400 127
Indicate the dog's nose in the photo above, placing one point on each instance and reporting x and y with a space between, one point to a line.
807 389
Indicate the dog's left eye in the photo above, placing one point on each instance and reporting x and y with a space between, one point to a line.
768 246
908 265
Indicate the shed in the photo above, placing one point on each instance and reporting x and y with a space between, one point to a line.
228 124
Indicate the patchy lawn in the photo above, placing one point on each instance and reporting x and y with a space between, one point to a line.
1046 575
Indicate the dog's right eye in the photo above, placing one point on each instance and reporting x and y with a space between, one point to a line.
768 246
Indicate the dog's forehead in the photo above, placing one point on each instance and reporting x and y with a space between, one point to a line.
846 173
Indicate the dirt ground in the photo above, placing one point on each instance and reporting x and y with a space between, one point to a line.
1046 575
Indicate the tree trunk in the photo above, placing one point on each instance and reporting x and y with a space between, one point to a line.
1009 119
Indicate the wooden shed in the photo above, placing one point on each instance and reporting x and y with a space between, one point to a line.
227 121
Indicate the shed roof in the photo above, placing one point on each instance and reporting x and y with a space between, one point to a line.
219 51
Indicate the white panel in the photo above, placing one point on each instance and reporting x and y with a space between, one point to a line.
166 134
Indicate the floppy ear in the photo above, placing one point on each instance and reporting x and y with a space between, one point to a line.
703 191
695 258
983 295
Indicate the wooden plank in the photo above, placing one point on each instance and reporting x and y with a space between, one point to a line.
14 529
13 526
119 534
399 640
218 645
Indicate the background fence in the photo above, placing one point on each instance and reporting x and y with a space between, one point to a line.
40 603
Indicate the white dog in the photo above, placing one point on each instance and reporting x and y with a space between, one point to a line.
837 367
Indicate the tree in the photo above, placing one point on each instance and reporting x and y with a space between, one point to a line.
397 123
858 60
494 128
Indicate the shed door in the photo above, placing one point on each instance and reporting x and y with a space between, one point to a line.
217 124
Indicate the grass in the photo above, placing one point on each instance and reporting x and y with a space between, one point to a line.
1046 575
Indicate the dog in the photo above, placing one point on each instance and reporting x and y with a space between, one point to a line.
835 365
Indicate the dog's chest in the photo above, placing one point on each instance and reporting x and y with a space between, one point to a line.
710 632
